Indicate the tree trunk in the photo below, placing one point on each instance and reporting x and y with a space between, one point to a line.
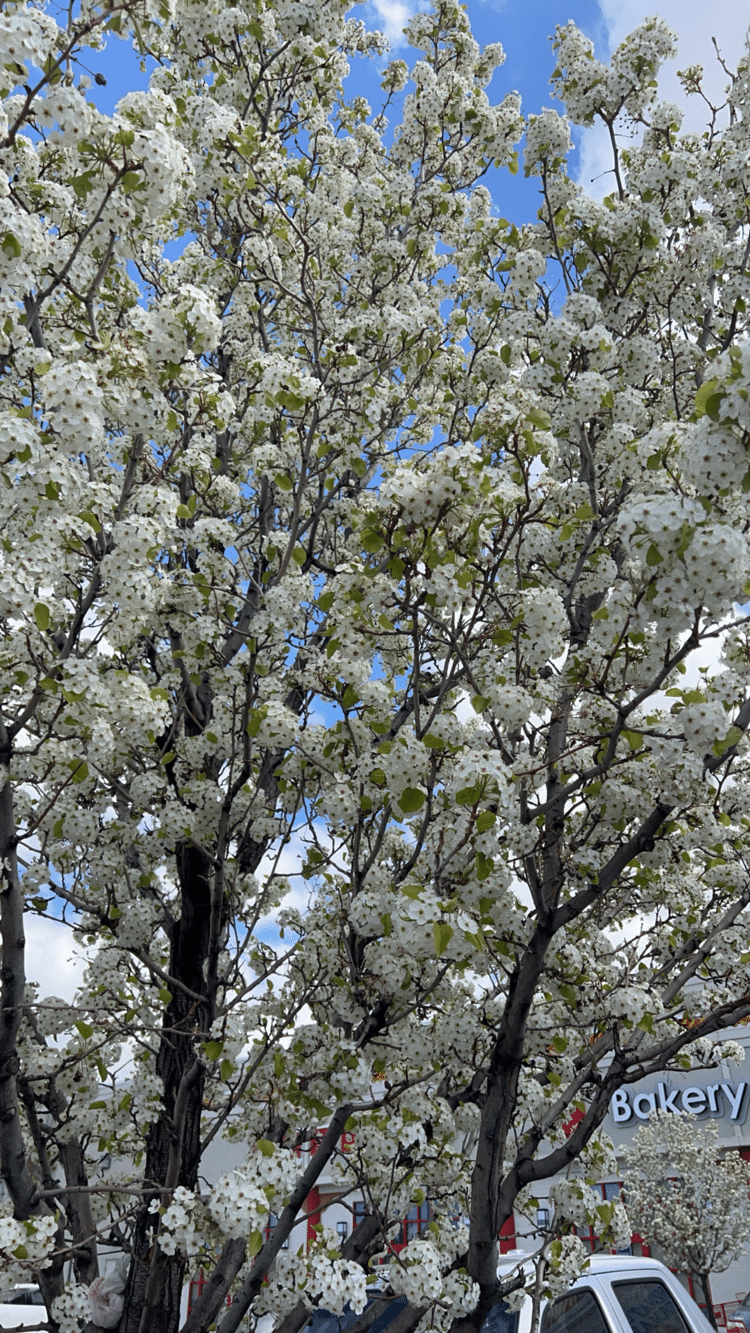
173 1146
710 1316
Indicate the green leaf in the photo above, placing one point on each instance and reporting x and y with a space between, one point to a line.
11 244
41 616
475 938
91 519
713 406
350 698
372 541
265 1147
213 1049
298 556
411 800
467 796
284 482
377 777
226 1069
165 995
255 1239
733 737
646 1022
85 1029
442 935
480 702
257 716
81 770
560 1044
569 993
505 354
130 181
653 556
705 392
501 637
348 208
325 601
484 821
183 511
538 418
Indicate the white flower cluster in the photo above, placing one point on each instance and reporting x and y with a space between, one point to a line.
25 1245
588 87
28 35
418 1273
567 1259
75 403
178 1229
316 1276
715 456
705 562
242 1199
547 138
703 725
511 704
544 623
180 323
72 1308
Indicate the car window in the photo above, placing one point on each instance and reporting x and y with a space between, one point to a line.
649 1307
501 1320
576 1312
36 1298
15 1296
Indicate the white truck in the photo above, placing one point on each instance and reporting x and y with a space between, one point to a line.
615 1294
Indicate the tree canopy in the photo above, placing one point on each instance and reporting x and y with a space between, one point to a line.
687 1198
343 519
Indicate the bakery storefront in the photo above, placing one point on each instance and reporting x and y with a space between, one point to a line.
721 1094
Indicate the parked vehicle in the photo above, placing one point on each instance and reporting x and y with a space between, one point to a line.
616 1294
741 1314
16 1307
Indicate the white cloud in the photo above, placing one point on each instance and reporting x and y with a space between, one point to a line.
695 24
391 17
52 959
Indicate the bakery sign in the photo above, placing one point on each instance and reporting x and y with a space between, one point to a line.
720 1100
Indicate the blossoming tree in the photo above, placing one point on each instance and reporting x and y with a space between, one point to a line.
687 1198
361 525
